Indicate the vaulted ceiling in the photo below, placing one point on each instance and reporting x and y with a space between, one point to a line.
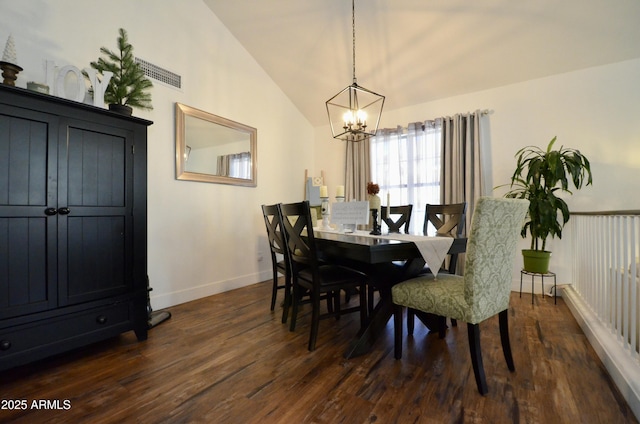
415 51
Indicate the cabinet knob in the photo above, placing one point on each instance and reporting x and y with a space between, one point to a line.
5 344
50 211
101 319
64 211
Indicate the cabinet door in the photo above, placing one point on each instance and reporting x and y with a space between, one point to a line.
95 212
28 153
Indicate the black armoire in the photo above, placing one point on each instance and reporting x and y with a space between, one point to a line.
73 225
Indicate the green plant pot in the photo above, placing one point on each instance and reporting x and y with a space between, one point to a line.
536 260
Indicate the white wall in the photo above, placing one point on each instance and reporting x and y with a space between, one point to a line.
203 238
594 110
206 238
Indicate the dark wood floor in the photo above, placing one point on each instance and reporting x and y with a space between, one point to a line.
228 359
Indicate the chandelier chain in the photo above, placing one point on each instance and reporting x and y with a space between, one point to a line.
353 27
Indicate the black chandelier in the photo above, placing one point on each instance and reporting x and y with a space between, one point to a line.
354 113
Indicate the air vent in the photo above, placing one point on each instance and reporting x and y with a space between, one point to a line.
160 74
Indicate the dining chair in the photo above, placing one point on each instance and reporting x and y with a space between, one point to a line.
277 247
396 218
482 292
447 219
402 216
314 277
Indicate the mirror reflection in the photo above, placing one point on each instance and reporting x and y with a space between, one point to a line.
213 149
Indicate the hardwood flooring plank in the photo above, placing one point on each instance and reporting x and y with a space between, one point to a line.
228 359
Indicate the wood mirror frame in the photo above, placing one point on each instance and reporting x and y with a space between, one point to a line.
205 143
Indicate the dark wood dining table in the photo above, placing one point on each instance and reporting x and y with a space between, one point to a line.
375 257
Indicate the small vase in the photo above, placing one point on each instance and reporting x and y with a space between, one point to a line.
37 87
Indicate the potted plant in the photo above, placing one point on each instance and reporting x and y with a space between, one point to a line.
128 85
539 177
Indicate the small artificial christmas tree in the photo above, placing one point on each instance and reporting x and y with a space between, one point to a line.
129 85
9 55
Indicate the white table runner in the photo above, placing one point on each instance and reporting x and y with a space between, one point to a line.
432 249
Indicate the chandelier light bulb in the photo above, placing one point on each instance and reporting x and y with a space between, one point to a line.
348 118
362 116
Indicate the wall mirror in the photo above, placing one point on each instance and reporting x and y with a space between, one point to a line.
213 149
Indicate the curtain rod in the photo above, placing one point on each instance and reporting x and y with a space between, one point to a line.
483 112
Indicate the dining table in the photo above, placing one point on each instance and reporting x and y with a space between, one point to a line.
386 259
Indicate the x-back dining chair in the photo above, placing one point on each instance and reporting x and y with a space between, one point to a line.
403 218
313 277
397 220
482 292
447 219
277 247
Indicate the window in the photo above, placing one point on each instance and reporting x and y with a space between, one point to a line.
406 164
235 165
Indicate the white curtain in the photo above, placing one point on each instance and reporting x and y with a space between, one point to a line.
407 167
236 165
431 162
240 165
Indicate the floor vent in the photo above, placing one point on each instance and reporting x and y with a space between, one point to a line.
160 74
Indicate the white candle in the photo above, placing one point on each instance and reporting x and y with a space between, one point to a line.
374 202
340 191
388 202
323 191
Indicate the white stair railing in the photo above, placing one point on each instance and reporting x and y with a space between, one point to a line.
605 292
606 272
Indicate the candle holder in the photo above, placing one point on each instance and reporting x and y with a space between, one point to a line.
324 210
376 225
9 73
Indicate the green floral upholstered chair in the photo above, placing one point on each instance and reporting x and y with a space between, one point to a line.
485 288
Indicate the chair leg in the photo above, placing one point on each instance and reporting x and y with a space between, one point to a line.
287 298
442 327
330 303
364 313
397 331
473 331
294 312
347 296
504 338
315 320
274 289
410 321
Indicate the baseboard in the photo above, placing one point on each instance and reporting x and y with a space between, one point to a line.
177 297
624 370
